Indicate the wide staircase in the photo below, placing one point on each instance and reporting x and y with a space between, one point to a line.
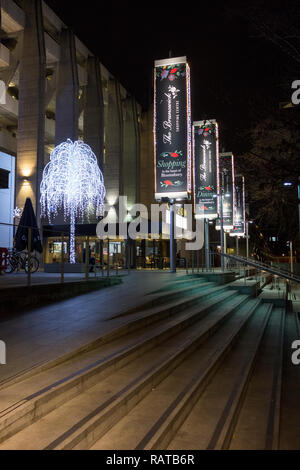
198 366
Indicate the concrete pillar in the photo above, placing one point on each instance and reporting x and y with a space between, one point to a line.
67 90
31 119
93 123
137 128
113 144
143 254
131 253
130 151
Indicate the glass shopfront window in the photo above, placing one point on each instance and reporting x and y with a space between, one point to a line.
116 251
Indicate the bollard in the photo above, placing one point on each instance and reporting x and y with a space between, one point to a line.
29 257
62 259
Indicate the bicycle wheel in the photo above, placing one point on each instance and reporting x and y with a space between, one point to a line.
12 264
34 264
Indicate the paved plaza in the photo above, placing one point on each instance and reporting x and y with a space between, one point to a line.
44 333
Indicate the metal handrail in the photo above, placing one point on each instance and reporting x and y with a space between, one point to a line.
265 267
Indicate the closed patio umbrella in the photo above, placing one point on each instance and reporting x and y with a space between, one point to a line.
28 219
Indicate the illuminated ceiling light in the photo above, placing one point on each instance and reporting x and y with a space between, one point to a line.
72 180
287 183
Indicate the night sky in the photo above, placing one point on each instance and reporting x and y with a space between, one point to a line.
234 73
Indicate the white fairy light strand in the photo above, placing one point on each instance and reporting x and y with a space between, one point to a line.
72 180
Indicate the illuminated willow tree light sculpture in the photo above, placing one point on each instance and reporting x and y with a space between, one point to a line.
72 180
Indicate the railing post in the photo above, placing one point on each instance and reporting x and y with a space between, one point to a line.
62 259
95 265
127 256
207 258
286 295
29 257
107 257
102 257
87 257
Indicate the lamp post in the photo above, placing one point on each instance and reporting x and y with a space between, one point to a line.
299 204
172 238
291 257
237 245
247 239
206 223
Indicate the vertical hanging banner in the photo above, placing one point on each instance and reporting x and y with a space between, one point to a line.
239 220
205 164
226 185
172 128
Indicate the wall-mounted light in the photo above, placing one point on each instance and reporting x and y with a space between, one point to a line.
111 199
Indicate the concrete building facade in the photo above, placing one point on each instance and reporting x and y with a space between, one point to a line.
57 89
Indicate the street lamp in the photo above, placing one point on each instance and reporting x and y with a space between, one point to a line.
171 203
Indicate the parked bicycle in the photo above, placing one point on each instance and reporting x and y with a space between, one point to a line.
19 260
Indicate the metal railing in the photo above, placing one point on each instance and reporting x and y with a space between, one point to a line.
261 272
276 273
283 273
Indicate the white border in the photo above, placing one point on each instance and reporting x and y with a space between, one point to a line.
170 61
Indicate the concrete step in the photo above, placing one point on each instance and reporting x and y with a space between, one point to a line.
258 423
90 414
211 421
31 399
157 413
160 298
130 323
290 409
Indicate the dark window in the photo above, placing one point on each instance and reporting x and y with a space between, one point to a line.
4 175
